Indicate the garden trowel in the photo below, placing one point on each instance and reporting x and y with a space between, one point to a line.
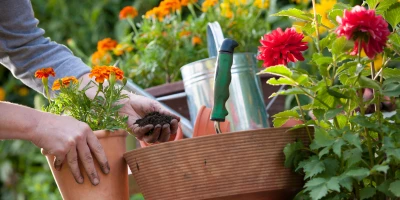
222 79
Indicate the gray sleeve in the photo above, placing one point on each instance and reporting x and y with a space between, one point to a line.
23 49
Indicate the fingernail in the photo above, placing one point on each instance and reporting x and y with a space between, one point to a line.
80 180
96 181
106 168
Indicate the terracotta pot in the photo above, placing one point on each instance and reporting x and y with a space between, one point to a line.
112 186
175 137
236 165
204 126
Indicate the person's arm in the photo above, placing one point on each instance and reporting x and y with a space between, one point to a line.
23 49
61 136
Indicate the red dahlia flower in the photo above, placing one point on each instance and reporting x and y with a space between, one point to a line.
280 47
364 26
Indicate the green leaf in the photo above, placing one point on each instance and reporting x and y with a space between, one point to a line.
322 137
384 5
395 188
337 147
333 14
338 45
322 60
331 167
332 113
372 4
393 16
282 117
346 182
313 166
324 151
342 6
391 90
295 13
352 156
280 81
369 83
319 192
314 182
380 168
358 174
353 139
367 192
290 91
384 188
394 38
291 153
391 73
333 184
279 70
336 94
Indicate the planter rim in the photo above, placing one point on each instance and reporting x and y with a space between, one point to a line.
228 134
106 134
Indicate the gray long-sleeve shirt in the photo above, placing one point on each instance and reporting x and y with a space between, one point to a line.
23 49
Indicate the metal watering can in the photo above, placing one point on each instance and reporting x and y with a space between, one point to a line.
245 104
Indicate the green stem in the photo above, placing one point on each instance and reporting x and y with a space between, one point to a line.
192 11
130 21
302 116
316 26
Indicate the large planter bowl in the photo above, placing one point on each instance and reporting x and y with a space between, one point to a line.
237 165
112 186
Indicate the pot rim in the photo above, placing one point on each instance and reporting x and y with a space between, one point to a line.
106 134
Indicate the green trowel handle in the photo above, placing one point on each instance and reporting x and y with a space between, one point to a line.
221 86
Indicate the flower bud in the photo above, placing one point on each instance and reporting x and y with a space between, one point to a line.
124 81
112 78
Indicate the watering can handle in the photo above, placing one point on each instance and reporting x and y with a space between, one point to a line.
215 37
223 79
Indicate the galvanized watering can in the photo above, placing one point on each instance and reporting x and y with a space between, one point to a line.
245 104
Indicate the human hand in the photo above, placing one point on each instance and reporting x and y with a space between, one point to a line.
136 107
69 139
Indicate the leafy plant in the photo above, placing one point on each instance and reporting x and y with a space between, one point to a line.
351 154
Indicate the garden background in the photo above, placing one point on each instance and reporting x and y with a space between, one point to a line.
24 172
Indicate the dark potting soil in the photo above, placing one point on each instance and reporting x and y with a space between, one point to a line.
154 118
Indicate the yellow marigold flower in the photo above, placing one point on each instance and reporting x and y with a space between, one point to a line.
262 4
196 40
64 82
2 94
23 91
45 72
121 48
101 57
128 12
208 4
184 33
239 2
323 9
187 2
173 5
226 10
106 44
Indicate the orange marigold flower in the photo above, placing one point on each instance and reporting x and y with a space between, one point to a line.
187 2
106 44
102 73
173 5
128 12
45 73
64 82
184 33
207 4
196 40
101 57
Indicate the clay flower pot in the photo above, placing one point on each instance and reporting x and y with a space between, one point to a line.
112 186
231 166
174 137
204 126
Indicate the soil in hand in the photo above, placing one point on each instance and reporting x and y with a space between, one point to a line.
154 118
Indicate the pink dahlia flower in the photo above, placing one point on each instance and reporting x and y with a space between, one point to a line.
364 27
281 47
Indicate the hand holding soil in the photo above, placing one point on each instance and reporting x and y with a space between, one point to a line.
161 124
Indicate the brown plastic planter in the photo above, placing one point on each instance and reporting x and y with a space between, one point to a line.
238 165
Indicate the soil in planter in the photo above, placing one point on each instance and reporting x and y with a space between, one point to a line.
154 118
